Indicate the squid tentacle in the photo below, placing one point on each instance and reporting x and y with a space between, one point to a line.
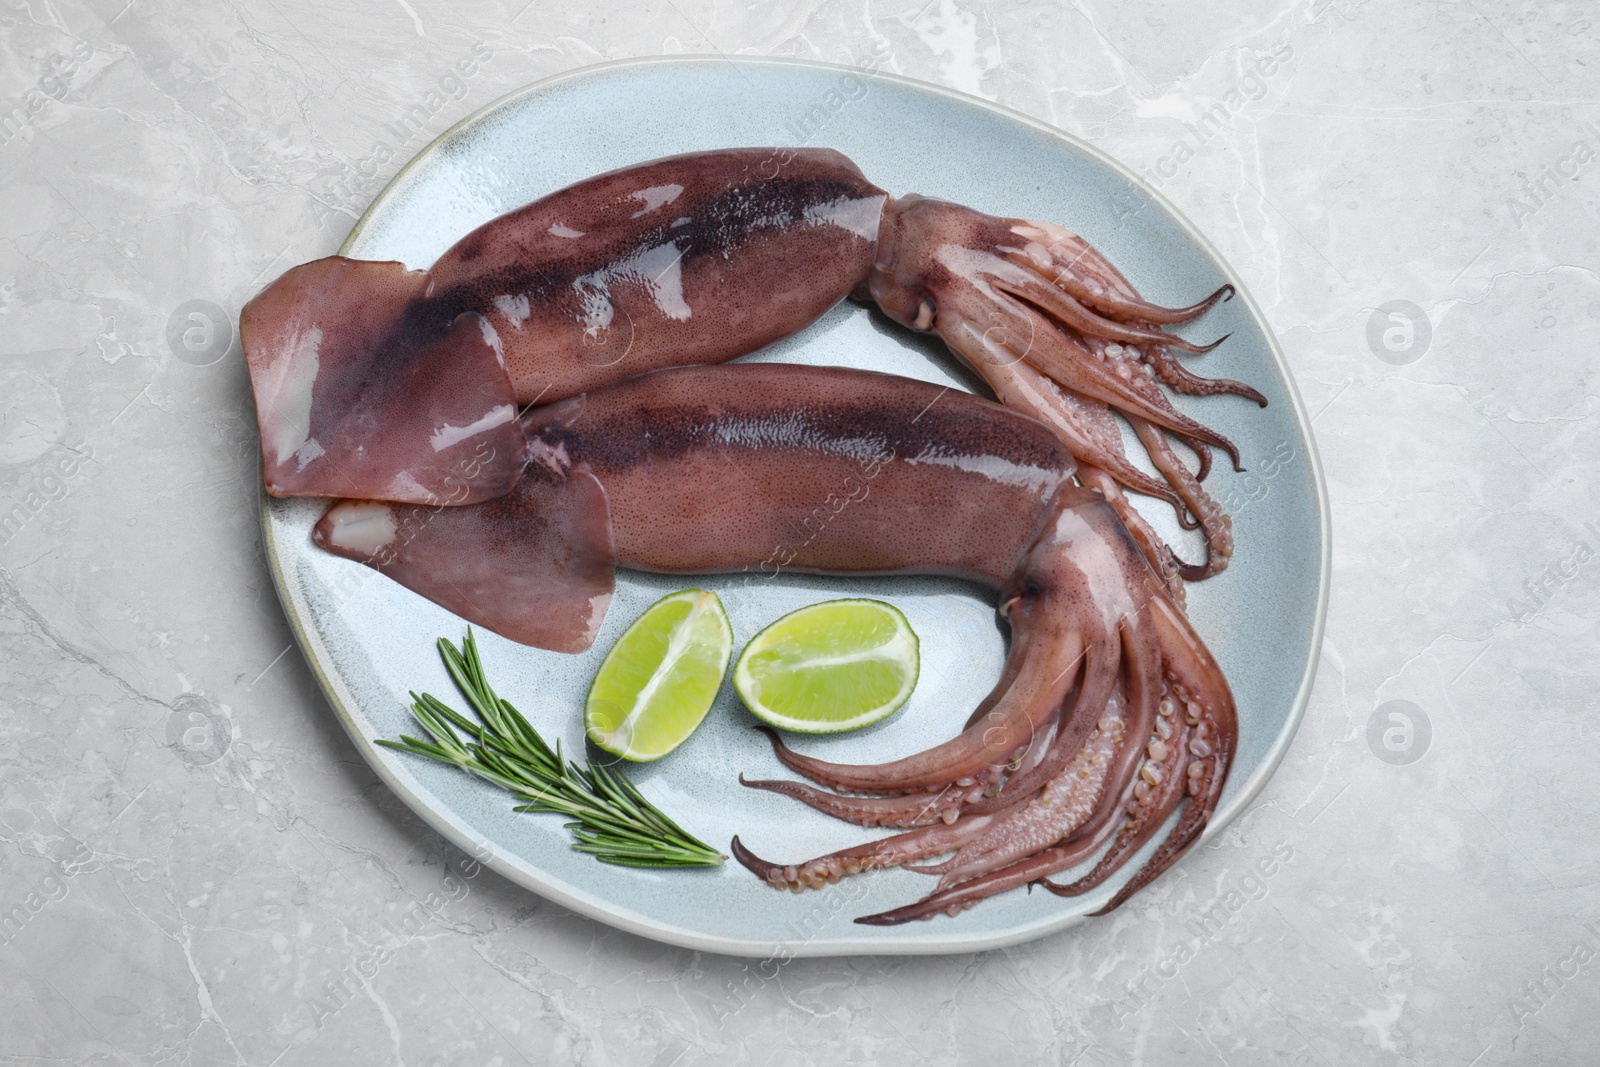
1061 809
1038 750
1215 523
1202 749
1159 788
702 258
1079 719
1071 365
980 753
1087 426
1205 781
1079 269
904 811
1161 558
1145 691
1052 301
1185 381
958 898
1121 300
1131 367
1202 452
1031 870
920 843
1022 387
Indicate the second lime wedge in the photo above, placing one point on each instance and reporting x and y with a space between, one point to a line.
659 681
830 667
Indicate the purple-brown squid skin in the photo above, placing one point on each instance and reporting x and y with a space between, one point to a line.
906 810
746 467
829 470
695 258
1202 748
692 259
903 811
1027 871
1174 737
1081 586
826 470
1021 304
435 423
1054 814
916 844
769 467
966 798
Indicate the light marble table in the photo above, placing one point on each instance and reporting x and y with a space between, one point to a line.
195 866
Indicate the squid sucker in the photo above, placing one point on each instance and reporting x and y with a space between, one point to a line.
1110 713
377 382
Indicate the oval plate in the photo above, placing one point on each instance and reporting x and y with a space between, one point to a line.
370 641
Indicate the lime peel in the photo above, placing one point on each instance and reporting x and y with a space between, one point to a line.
659 680
678 644
830 667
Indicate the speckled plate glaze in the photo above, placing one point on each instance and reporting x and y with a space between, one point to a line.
370 641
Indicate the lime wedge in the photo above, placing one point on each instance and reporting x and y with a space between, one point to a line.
659 681
830 667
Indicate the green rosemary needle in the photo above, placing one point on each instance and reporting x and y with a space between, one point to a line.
611 819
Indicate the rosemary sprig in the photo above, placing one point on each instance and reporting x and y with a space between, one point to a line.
611 819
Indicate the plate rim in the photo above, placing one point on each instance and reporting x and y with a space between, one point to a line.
458 832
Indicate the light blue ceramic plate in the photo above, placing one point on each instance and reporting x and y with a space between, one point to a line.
370 641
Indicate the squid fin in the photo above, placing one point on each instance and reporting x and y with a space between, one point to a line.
537 565
354 399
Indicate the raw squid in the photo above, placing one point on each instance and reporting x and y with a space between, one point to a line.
382 383
1110 713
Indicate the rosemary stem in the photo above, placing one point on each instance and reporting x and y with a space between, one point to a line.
611 819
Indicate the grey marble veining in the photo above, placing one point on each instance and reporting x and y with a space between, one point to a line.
195 865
